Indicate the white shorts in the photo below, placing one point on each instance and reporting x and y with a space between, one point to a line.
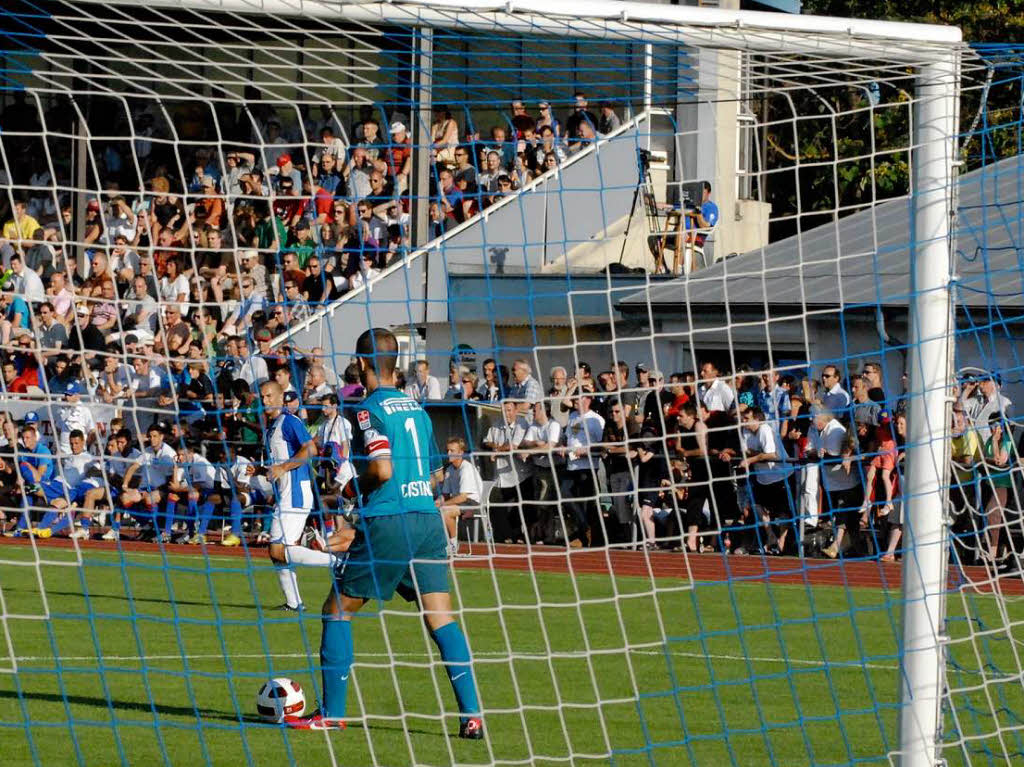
287 524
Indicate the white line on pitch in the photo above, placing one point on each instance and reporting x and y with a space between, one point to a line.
526 655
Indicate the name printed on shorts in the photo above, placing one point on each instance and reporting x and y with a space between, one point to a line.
392 406
417 489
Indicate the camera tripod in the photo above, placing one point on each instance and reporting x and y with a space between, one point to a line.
645 188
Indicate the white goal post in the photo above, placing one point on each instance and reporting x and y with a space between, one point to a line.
934 53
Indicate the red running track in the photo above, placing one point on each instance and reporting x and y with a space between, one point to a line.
710 568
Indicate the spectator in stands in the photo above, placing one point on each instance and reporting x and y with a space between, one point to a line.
617 456
542 440
444 136
578 483
26 281
608 122
545 119
997 481
19 229
514 476
693 447
766 459
863 408
14 313
834 397
982 398
52 334
524 386
838 475
966 456
489 387
62 298
715 394
579 116
351 388
399 157
461 490
873 375
424 386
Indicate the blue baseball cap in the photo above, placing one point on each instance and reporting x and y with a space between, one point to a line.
32 417
73 387
290 396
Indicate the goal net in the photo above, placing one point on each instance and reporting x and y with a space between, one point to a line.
715 315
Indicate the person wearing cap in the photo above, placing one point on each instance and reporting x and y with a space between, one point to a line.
211 202
301 243
399 156
85 336
71 416
284 171
988 399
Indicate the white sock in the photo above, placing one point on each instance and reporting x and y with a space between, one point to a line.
289 585
301 555
454 543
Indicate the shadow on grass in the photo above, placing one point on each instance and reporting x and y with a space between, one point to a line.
123 705
125 598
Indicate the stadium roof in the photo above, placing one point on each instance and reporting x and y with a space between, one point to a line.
862 260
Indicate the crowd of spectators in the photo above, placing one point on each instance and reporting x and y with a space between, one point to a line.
743 462
151 336
160 305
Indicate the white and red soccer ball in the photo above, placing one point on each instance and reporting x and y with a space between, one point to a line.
279 698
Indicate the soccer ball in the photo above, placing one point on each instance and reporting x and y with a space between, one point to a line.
279 698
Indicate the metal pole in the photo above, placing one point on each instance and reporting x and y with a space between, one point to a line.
423 84
924 569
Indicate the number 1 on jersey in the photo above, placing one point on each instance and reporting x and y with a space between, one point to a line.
410 426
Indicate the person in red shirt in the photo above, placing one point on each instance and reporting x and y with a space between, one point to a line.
321 202
399 157
677 387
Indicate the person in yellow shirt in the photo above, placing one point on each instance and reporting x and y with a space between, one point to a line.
966 456
21 227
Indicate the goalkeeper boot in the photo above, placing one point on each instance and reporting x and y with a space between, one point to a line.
472 729
230 540
315 721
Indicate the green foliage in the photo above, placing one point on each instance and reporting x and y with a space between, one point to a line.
845 152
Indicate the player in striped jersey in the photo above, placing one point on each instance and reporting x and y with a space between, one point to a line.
289 449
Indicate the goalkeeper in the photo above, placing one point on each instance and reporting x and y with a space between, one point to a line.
400 542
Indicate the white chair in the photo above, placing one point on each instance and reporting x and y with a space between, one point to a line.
482 518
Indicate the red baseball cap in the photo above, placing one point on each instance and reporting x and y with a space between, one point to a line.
283 160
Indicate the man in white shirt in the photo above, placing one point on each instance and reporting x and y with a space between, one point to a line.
766 459
514 478
424 386
578 485
461 490
193 481
83 477
26 281
73 416
835 398
715 394
543 439
840 476
155 466
145 382
333 436
252 368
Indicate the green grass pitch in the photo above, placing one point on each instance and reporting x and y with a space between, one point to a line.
161 658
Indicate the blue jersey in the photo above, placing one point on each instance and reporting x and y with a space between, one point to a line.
41 456
285 438
390 425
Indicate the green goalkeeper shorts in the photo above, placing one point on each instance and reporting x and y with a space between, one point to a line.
406 553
